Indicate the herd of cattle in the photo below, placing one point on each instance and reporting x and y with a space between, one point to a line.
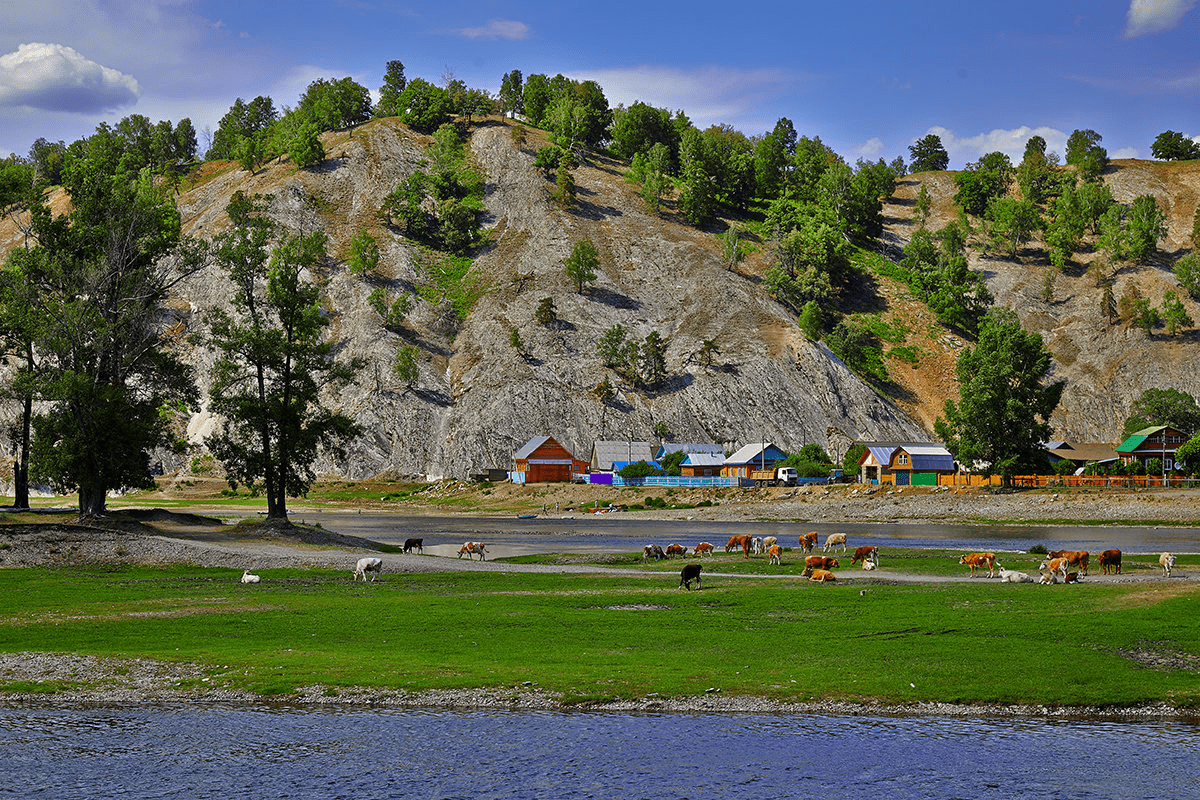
1056 568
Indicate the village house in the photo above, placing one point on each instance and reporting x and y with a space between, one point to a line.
1080 454
605 453
904 463
542 459
691 448
702 465
759 455
1156 442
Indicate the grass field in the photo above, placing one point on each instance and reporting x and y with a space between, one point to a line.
595 637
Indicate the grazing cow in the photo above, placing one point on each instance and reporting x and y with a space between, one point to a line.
1167 562
690 573
248 578
471 548
365 565
1055 568
704 548
653 551
865 554
821 562
414 544
1012 576
774 553
756 545
808 541
1110 560
769 542
676 550
820 575
977 561
742 543
833 540
1075 558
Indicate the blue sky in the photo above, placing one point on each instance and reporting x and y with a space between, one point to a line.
868 77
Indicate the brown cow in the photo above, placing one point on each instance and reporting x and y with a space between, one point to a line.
743 542
676 550
820 575
977 561
1074 558
821 562
704 548
1110 560
865 553
808 541
1053 569
774 553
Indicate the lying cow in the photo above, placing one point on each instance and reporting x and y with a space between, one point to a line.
774 553
1110 561
820 575
1075 558
808 541
704 548
249 578
1012 576
471 548
865 554
977 561
821 562
414 544
676 550
365 565
1167 562
653 551
742 543
690 573
834 540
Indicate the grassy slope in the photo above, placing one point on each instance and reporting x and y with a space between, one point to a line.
595 636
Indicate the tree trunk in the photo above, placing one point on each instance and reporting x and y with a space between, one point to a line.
21 468
92 501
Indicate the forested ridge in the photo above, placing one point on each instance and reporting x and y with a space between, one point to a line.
488 268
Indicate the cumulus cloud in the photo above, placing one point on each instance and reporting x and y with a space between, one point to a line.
54 77
710 96
870 149
963 150
1147 17
496 29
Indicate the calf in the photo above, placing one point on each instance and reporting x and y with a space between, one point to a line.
808 541
865 554
365 565
1055 568
820 575
833 540
414 544
740 543
471 548
774 553
690 573
1074 558
653 551
756 545
676 550
1012 576
1167 562
821 562
704 548
977 561
1110 561
248 578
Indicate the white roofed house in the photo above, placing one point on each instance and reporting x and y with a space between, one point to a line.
604 453
905 463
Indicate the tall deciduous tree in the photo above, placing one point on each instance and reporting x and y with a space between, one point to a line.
582 264
274 362
1086 154
389 94
1163 407
512 89
928 154
1174 146
1005 403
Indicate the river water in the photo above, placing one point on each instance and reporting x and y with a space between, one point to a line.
601 533
203 751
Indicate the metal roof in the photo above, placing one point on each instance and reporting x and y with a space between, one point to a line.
754 451
672 447
529 447
704 460
604 453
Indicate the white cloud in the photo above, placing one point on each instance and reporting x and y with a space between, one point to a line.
870 149
496 29
709 96
54 77
1125 152
1147 17
1011 142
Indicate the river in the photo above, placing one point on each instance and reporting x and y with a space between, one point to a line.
214 751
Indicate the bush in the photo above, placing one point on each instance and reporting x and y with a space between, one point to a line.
1038 549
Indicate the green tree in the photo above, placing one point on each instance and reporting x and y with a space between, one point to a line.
564 185
927 154
536 98
1188 455
1065 229
1163 407
851 459
982 182
1013 222
275 360
512 99
423 106
306 149
611 347
858 348
1003 414
640 127
1187 272
394 83
812 321
405 365
922 207
1095 199
1145 224
698 192
546 313
671 461
1174 315
1085 153
334 104
654 360
1174 146
364 253
582 264
243 121
1145 316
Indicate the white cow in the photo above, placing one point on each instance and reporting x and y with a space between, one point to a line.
833 540
366 565
473 547
1013 576
249 578
1167 562
756 544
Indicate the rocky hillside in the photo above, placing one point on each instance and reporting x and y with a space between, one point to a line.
478 399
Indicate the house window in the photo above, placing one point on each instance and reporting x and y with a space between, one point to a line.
903 459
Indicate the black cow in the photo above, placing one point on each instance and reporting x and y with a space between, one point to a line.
690 573
414 544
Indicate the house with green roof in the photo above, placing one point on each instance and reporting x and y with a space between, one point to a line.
1157 441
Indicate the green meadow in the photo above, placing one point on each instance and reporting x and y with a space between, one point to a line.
595 637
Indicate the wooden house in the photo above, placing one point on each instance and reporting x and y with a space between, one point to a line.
759 455
904 463
605 453
702 465
689 449
1080 454
542 459
1156 442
